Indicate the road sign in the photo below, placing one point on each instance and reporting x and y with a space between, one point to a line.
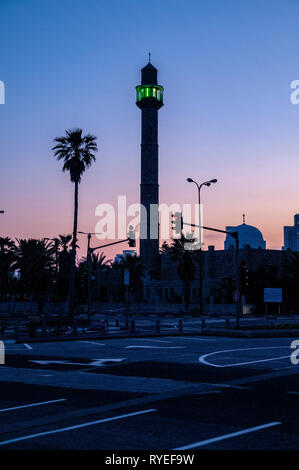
236 296
127 277
273 294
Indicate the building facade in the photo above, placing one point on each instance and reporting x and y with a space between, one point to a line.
291 235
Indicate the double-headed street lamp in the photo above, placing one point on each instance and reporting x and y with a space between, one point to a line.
199 186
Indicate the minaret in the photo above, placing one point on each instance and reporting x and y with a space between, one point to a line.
149 100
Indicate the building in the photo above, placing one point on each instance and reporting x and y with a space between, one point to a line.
149 99
291 235
249 237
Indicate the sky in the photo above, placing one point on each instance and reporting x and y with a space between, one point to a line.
226 67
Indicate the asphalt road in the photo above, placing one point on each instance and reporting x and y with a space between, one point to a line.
150 393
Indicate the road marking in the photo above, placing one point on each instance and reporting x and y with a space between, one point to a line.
94 362
202 359
226 386
155 340
197 339
77 426
27 346
227 436
154 347
92 342
33 404
294 393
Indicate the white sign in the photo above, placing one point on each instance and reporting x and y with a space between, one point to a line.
273 294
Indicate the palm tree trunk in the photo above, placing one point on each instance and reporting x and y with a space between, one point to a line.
73 255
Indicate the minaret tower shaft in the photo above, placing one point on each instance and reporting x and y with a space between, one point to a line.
149 100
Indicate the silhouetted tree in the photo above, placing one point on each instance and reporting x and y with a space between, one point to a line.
77 152
7 257
35 260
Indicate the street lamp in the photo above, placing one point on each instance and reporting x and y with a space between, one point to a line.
199 186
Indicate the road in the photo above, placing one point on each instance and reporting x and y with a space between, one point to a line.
185 392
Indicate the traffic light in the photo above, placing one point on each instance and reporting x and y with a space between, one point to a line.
131 236
243 275
177 223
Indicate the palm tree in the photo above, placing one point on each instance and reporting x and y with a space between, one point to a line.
7 257
186 268
98 261
35 260
77 153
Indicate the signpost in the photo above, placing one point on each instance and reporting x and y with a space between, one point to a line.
273 295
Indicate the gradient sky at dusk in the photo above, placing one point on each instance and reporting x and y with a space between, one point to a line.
226 67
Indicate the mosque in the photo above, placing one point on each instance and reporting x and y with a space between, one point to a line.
249 237
218 265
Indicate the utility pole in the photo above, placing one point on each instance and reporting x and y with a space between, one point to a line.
132 242
235 235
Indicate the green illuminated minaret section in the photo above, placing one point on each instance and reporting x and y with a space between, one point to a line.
149 99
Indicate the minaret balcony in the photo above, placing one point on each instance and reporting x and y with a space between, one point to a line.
149 96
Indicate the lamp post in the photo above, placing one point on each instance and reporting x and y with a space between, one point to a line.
199 186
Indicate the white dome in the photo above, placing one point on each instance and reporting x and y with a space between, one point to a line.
249 236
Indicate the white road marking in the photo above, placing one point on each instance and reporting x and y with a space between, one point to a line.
32 404
196 339
226 386
27 346
227 436
155 340
202 359
154 347
92 342
94 362
77 426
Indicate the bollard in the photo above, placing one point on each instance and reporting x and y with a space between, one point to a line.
133 326
116 322
158 326
227 323
203 323
107 325
180 326
127 323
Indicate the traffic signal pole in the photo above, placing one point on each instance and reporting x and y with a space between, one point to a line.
235 235
132 242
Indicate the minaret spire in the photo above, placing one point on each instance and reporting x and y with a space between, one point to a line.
243 218
149 57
